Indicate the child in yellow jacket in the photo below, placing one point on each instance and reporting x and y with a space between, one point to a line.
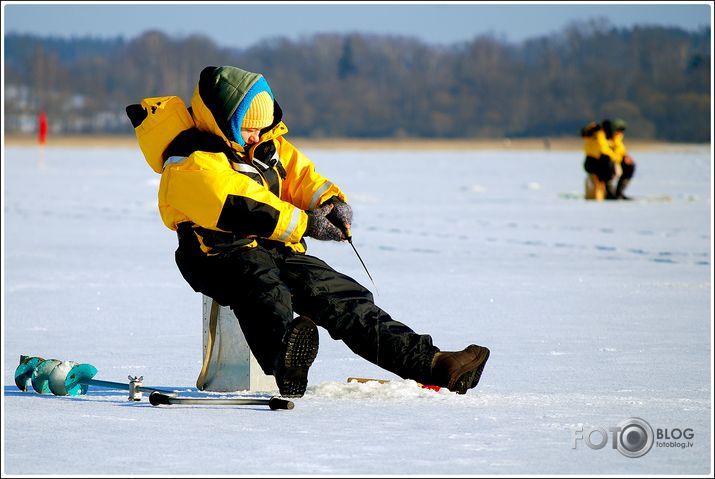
599 156
624 165
242 198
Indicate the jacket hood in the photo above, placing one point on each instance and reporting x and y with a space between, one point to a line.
221 93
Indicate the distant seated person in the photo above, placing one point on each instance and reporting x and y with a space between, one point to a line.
599 157
624 166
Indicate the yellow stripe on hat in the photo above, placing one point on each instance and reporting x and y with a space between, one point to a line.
260 113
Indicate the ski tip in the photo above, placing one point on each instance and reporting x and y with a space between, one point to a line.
278 403
158 399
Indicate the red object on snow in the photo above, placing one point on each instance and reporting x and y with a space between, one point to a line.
430 386
42 127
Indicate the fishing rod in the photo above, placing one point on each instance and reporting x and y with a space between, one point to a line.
350 240
346 232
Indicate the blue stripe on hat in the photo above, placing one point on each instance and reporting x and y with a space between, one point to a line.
236 119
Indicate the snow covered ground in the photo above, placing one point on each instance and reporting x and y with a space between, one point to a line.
595 313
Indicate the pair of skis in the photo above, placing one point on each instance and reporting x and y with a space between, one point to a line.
68 378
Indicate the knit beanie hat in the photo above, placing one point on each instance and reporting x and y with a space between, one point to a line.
619 124
260 113
254 111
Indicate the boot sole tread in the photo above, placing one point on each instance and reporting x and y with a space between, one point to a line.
301 351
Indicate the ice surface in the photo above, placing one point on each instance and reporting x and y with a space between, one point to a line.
594 312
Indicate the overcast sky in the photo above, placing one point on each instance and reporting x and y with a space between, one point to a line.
240 25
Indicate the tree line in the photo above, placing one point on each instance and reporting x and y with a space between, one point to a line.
377 86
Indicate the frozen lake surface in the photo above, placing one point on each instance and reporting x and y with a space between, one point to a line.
595 313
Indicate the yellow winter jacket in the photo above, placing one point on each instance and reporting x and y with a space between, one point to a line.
595 143
618 147
232 196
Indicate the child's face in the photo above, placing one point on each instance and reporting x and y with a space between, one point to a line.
250 135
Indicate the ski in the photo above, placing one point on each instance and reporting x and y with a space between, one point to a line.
160 399
385 381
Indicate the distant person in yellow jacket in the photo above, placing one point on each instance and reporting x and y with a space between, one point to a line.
242 199
624 166
599 156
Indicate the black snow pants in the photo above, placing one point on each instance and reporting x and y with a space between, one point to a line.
628 170
601 167
266 284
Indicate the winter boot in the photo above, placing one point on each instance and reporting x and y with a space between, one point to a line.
459 370
610 194
301 348
622 184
